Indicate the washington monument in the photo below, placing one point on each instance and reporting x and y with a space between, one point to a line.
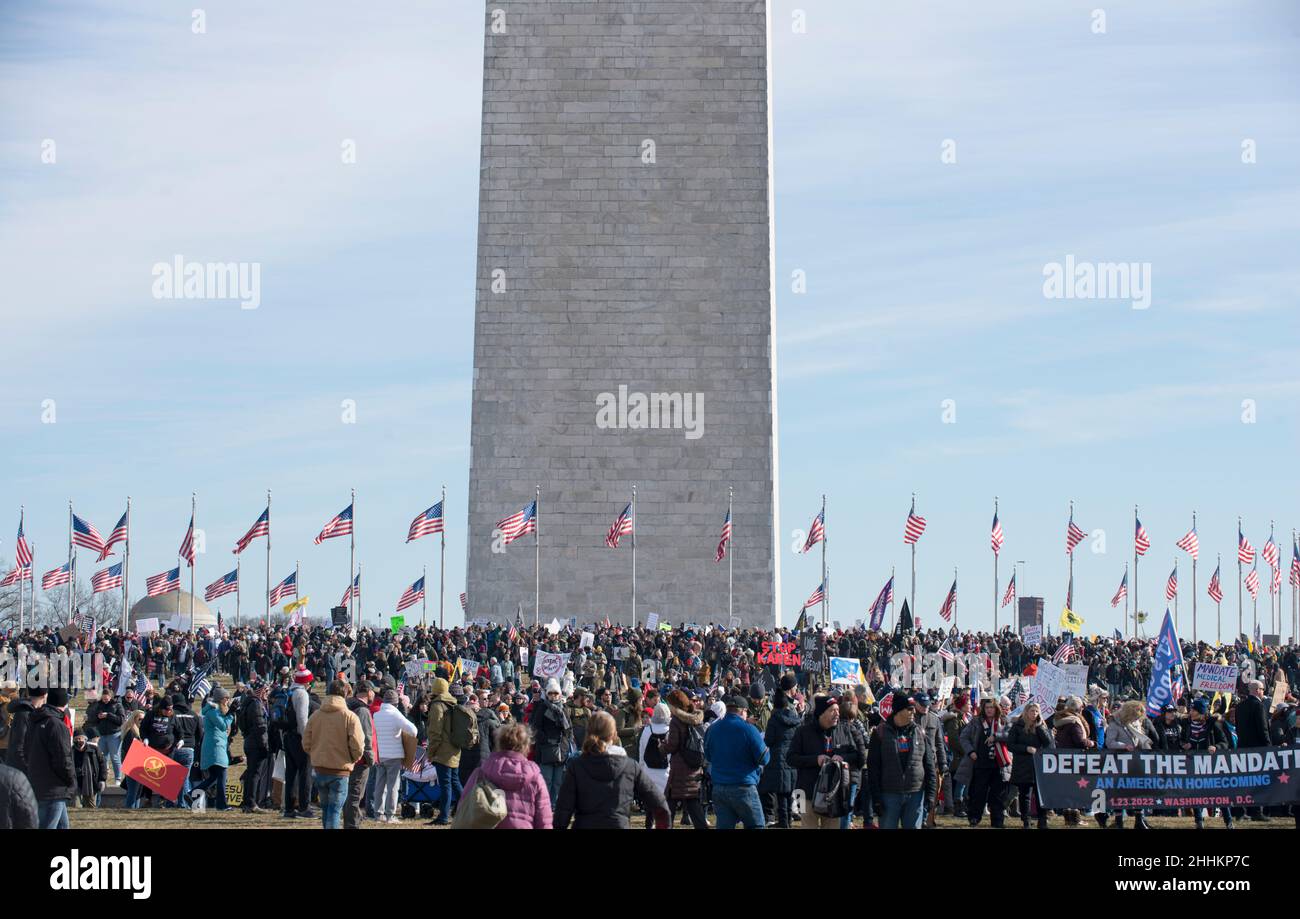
625 312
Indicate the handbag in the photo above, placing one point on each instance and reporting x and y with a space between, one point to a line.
482 809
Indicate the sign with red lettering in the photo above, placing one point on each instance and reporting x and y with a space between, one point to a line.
783 653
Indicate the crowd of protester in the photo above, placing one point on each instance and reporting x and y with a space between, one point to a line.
658 726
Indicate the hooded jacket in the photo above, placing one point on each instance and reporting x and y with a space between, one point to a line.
528 803
49 756
441 749
20 713
598 789
17 802
333 738
683 780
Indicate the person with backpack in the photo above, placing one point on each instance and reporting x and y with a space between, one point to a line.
452 728
824 752
685 748
297 769
257 749
390 725
653 756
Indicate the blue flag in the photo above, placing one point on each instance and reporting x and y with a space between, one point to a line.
1167 684
1118 635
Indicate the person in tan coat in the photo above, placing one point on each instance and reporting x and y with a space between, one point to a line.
334 741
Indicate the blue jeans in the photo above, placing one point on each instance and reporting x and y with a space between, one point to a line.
52 815
132 792
214 785
846 822
184 756
111 746
737 804
552 775
449 789
901 811
331 790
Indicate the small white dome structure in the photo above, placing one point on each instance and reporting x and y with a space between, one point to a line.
164 608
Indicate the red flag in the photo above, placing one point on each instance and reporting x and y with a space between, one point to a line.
153 770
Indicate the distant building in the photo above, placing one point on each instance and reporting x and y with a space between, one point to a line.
164 608
1029 612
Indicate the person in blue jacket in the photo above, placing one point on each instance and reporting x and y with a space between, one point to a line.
735 754
214 757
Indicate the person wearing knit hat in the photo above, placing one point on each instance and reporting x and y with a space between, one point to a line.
552 736
654 759
901 767
297 763
302 676
822 739
49 763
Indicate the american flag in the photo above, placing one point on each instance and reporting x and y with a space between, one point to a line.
1069 594
1192 545
949 603
1140 540
519 523
1073 535
1018 694
1295 564
1252 583
118 535
914 527
16 575
816 532
340 525
428 522
83 534
1270 553
946 652
186 550
1216 586
726 538
60 575
354 590
261 527
995 538
413 595
421 762
621 527
818 596
22 550
1245 551
141 683
163 583
1121 593
1011 590
286 588
1066 652
108 579
1275 583
512 635
227 584
464 602
1171 586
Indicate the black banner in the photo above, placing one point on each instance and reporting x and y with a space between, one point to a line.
1114 779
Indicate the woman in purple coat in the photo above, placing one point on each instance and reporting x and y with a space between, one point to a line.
528 804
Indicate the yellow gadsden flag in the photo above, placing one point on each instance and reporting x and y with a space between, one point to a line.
1071 621
295 605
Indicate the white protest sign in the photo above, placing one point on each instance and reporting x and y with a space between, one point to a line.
553 627
1032 635
945 688
1215 678
550 666
588 640
652 621
147 626
523 659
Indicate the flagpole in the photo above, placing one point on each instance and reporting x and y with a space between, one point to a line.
1194 582
424 573
1239 576
731 553
126 563
913 513
1254 601
21 514
891 599
268 557
826 587
1070 598
1126 600
1136 605
954 596
238 568
194 561
352 557
1175 592
995 573
1218 604
72 571
442 563
635 559
356 592
297 581
537 556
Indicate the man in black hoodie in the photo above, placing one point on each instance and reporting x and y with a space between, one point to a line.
189 740
21 711
48 747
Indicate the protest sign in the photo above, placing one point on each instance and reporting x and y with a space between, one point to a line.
1032 635
945 688
396 622
652 621
588 640
1054 681
1215 678
847 670
782 653
1114 779
549 665
467 667
1280 689
339 616
147 626
523 659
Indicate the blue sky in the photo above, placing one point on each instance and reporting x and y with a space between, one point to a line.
924 283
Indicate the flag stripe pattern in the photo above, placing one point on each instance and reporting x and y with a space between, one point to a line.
108 579
1171 586
16 575
949 603
260 527
725 540
60 575
85 535
1245 551
816 532
1190 544
354 590
163 583
227 584
187 544
1073 536
22 550
621 527
995 538
286 588
339 525
1216 587
412 595
818 596
118 535
1269 552
913 529
519 523
1141 542
427 523
1252 583
1122 593
1011 590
